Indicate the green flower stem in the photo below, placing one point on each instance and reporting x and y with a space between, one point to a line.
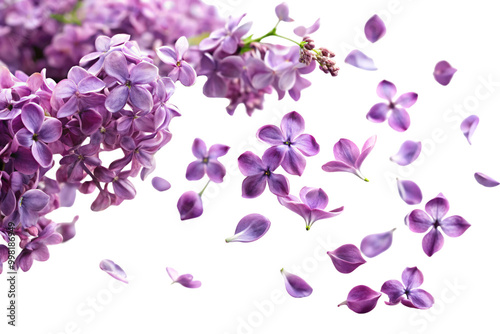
206 185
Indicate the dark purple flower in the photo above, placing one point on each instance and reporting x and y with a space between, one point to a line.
443 72
349 158
408 152
296 286
420 221
468 126
310 206
250 228
399 119
207 162
346 258
485 180
177 68
190 205
282 12
375 244
289 139
4 256
374 28
186 280
415 298
160 184
113 270
409 192
226 39
259 172
361 299
358 59
30 204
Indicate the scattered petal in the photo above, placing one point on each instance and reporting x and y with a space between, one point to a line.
375 244
160 184
361 299
296 286
443 72
469 126
190 205
346 258
485 180
358 59
113 270
409 192
185 280
408 152
374 28
250 228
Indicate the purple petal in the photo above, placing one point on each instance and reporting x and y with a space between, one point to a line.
91 84
91 121
386 90
65 88
123 188
250 164
117 99
443 72
314 198
250 228
215 171
273 157
199 148
361 299
167 55
4 255
306 144
115 66
437 207
253 186
406 100
195 170
394 290
215 86
187 75
271 134
408 152
338 166
303 31
113 270
378 113
34 200
50 130
143 73
346 151
412 278
186 281
172 273
367 148
485 180
469 126
375 244
419 221
293 204
292 125
399 119
409 192
141 98
217 151
278 185
190 205
282 12
25 137
32 116
421 299
317 214
160 184
432 242
293 162
454 226
346 258
296 286
374 28
41 153
67 230
358 59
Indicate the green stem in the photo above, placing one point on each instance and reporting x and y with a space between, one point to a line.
206 185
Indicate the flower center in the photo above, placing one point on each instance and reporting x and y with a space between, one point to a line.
436 224
35 137
128 83
267 173
178 63
205 160
288 143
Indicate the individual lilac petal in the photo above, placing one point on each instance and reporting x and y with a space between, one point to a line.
469 126
358 59
409 192
34 200
408 152
250 228
199 148
454 226
420 299
32 116
375 244
172 273
187 75
432 242
399 119
346 258
365 150
67 230
271 134
406 100
293 204
374 28
437 207
115 65
317 214
273 157
216 171
485 180
279 185
195 170
338 166
443 72
419 221
296 286
117 99
4 255
346 151
412 278
187 281
253 186
303 31
394 290
217 150
292 125
141 98
190 205
386 90
378 113
41 153
306 144
314 198
160 184
293 162
50 131
361 299
113 270
282 12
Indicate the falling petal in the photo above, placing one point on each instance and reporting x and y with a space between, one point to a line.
185 280
250 228
190 205
67 230
485 180
409 192
160 184
361 299
408 152
358 59
469 126
374 28
375 244
113 270
295 285
346 258
443 72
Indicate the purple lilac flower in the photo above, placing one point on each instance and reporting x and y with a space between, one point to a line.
296 286
261 172
289 139
409 191
361 299
282 12
420 221
444 72
415 298
207 162
190 205
186 280
177 67
113 270
310 206
374 28
250 228
485 180
349 158
408 152
399 119
226 39
375 244
104 45
346 258
160 184
358 59
30 204
468 126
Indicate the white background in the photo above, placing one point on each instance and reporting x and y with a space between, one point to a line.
243 291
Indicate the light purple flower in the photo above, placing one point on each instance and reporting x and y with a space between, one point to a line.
178 68
399 119
261 172
310 206
415 298
346 258
358 59
374 28
296 286
226 39
30 204
289 139
420 221
282 12
485 180
113 270
103 46
250 228
468 126
160 184
409 191
375 244
408 152
190 205
303 31
348 157
361 299
186 280
443 72
207 162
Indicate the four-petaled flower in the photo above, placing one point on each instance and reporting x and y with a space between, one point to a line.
415 298
177 67
207 162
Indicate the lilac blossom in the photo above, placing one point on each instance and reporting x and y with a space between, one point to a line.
395 111
409 191
250 228
348 157
358 59
260 172
113 270
444 72
408 152
296 286
160 184
412 278
485 180
420 221
374 28
346 258
375 244
282 12
361 299
190 205
226 39
104 45
207 162
290 139
310 206
186 280
177 67
30 204
468 126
